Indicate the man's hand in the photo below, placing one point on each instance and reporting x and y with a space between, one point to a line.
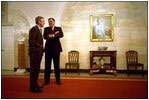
56 32
51 36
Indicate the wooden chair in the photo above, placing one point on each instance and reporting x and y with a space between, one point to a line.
132 61
73 61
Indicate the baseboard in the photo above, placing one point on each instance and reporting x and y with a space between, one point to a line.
81 70
27 69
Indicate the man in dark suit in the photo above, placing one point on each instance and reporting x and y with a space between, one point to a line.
52 50
35 53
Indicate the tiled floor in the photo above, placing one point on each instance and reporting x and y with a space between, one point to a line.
83 75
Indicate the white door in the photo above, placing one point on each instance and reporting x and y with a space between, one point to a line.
7 47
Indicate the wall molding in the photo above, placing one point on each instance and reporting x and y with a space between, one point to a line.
82 71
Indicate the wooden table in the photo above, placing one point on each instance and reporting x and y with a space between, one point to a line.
107 66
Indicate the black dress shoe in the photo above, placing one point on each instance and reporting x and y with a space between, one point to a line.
58 83
36 90
46 83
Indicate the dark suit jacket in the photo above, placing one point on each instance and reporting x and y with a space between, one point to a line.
53 44
35 41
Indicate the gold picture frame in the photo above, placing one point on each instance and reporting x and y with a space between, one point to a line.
101 27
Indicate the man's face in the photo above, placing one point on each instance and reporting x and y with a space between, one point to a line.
42 22
98 21
51 23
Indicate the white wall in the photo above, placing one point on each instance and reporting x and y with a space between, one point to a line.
130 22
46 9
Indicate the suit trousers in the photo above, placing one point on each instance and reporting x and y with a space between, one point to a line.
49 56
35 60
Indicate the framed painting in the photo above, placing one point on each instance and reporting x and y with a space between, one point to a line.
101 27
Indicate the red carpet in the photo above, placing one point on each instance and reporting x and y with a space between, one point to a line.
18 87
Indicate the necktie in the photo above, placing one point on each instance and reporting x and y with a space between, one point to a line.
41 31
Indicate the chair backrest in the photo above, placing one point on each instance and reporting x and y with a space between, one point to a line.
73 56
132 57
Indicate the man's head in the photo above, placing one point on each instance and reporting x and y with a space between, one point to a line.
98 21
51 22
40 21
